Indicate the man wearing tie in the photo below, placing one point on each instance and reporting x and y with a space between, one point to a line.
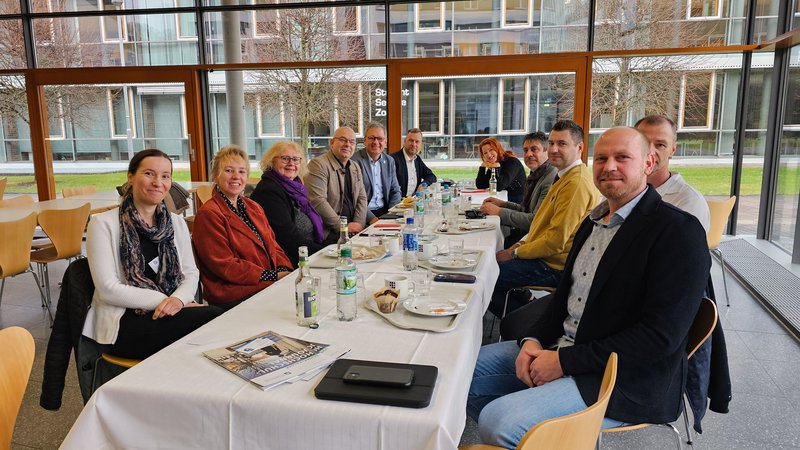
379 173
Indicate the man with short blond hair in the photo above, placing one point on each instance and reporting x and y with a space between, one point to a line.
623 292
411 170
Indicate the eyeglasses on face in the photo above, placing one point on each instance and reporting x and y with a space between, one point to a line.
376 138
288 159
344 140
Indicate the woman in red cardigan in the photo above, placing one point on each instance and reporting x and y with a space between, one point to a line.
235 247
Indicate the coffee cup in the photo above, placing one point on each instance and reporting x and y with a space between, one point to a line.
427 250
401 283
391 245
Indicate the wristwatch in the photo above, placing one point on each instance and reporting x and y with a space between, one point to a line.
514 254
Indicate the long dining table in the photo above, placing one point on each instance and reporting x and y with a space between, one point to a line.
179 399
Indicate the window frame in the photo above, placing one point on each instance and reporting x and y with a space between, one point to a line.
110 103
718 9
61 124
526 24
417 28
359 106
440 131
260 122
178 34
709 105
526 104
334 15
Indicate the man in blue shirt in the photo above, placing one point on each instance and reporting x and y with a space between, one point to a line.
380 175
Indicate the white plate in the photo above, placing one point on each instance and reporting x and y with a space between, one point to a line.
427 237
434 307
467 227
361 253
449 262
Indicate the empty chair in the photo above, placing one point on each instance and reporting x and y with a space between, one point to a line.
65 228
15 252
720 210
71 192
22 202
203 194
16 354
3 182
578 431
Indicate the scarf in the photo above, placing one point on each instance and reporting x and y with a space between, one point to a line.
133 264
531 181
298 193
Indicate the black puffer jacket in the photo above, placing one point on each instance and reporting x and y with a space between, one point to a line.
77 289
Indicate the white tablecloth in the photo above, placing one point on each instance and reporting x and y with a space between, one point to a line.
179 399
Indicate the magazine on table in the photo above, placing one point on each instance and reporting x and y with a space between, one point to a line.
270 359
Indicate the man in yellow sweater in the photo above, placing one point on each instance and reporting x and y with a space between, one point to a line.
538 258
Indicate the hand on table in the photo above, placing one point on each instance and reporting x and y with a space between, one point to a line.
354 227
490 208
168 307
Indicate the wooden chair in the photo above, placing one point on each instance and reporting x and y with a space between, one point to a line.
720 211
703 325
578 431
15 252
65 228
20 202
16 353
203 194
126 363
72 192
3 182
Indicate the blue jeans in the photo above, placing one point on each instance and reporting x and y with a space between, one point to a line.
517 273
506 408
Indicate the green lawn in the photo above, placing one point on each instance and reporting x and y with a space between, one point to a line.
708 180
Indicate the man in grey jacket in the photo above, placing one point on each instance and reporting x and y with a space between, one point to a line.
518 217
379 173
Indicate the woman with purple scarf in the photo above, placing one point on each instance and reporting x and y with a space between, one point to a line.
284 198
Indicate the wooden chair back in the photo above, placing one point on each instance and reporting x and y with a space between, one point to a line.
15 245
3 182
704 322
16 354
719 210
65 228
203 194
579 430
21 202
71 192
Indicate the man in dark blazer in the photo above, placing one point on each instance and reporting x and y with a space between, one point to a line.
407 161
632 285
378 171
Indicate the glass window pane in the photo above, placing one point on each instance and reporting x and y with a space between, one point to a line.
698 97
461 111
788 183
12 48
15 136
139 40
41 6
637 24
301 34
300 104
429 16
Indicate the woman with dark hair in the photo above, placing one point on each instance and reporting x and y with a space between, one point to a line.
509 171
284 197
144 273
235 245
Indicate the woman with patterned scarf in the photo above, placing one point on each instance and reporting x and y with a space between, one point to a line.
142 267
235 246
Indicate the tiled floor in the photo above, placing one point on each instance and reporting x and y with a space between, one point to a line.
764 363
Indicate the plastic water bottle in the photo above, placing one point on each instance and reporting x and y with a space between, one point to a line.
446 201
346 281
419 211
305 291
410 244
493 183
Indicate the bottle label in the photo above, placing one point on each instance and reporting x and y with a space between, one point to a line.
410 242
308 302
346 281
